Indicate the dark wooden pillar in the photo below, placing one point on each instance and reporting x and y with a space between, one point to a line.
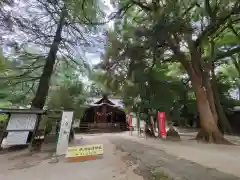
104 112
95 115
111 116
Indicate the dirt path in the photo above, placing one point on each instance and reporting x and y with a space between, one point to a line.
129 158
159 163
221 157
111 167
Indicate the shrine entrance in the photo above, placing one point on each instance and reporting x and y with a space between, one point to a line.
104 115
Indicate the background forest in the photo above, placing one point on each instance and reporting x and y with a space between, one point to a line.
180 57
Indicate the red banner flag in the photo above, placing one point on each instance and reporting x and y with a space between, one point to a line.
162 123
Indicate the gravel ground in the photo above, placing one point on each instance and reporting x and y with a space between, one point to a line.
20 165
221 157
156 161
124 159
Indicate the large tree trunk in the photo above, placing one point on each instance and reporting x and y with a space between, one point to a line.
195 67
44 83
209 131
236 62
210 97
150 130
152 126
239 93
223 121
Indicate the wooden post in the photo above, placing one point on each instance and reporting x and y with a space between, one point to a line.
145 129
111 115
30 146
4 130
104 113
95 118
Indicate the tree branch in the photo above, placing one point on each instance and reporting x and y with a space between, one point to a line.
47 8
209 10
142 6
228 53
236 64
234 31
215 25
179 55
22 74
112 16
22 81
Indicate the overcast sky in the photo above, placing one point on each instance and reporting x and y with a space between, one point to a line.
92 55
94 58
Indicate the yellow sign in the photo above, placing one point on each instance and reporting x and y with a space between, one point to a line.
89 150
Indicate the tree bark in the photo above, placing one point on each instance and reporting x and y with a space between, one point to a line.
195 68
209 131
44 82
152 126
223 121
210 97
236 62
149 131
239 93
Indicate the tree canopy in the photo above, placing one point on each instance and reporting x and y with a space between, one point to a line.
197 37
181 57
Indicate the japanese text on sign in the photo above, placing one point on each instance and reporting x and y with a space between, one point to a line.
89 150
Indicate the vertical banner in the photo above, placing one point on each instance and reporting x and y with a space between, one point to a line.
130 123
162 124
129 120
64 133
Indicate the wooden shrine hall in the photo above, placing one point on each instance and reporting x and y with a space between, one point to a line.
103 115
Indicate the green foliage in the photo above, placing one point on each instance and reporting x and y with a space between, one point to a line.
74 21
21 75
146 53
150 53
2 60
18 88
83 11
147 86
4 117
67 92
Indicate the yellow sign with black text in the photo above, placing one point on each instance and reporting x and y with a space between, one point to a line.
88 150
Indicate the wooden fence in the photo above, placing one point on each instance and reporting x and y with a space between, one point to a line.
100 127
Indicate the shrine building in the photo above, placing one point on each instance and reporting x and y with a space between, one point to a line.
104 114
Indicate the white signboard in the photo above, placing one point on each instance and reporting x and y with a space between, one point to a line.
66 123
22 122
134 121
17 138
142 124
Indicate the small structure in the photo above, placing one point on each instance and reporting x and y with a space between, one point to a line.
104 115
21 126
64 133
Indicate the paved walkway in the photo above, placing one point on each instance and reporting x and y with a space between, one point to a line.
221 157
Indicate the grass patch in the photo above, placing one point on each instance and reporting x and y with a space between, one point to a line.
160 176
